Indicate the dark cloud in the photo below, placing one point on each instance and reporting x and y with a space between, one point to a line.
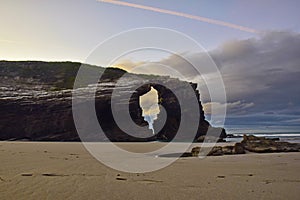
261 77
262 72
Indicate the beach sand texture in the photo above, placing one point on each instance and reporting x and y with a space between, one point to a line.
42 170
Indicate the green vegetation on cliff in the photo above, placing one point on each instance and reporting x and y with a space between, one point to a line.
49 75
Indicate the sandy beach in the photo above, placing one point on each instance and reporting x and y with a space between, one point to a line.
42 170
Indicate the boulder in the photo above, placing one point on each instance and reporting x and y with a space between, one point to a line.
238 149
216 151
266 145
227 150
253 144
195 151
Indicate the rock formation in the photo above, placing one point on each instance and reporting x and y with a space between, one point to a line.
36 102
267 145
227 150
249 143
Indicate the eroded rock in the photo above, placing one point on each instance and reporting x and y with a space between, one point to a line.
195 151
266 145
36 103
227 150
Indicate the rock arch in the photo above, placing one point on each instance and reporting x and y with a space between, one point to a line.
169 102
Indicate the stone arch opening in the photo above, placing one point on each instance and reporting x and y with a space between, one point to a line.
150 107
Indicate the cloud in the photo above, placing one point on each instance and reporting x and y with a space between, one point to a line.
11 41
128 64
264 71
296 121
261 76
237 107
149 102
174 65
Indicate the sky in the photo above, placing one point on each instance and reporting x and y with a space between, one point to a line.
260 69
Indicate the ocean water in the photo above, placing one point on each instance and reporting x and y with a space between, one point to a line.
284 133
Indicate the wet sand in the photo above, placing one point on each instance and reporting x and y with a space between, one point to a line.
42 170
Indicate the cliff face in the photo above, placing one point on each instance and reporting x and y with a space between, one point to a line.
36 103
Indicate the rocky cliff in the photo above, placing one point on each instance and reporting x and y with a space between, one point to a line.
36 102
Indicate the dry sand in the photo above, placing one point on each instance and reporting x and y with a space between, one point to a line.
67 171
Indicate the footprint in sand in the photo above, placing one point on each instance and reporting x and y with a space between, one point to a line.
268 181
121 179
240 175
52 174
27 174
150 181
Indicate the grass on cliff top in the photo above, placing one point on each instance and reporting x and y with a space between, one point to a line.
58 75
